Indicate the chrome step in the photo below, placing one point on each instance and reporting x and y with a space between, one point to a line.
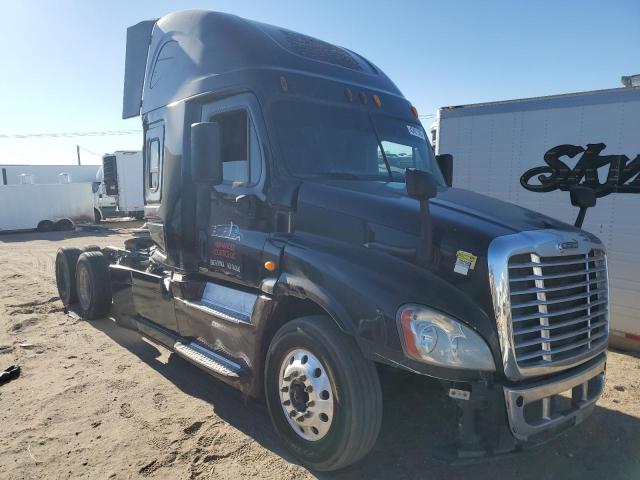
208 359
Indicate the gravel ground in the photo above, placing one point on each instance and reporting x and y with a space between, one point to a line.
96 401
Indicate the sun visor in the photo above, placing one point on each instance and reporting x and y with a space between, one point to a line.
138 40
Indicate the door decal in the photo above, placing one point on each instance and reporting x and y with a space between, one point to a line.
224 248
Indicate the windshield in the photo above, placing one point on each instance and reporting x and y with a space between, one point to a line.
323 140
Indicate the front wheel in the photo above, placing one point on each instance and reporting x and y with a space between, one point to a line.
324 397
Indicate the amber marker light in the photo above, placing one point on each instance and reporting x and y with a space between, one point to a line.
377 101
270 265
409 340
414 110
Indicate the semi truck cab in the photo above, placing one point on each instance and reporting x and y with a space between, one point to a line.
302 235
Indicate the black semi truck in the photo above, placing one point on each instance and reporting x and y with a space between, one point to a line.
302 236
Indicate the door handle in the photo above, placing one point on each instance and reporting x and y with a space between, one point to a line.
202 246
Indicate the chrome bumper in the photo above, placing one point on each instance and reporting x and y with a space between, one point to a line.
534 409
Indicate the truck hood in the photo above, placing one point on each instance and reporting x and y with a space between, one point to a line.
387 204
381 216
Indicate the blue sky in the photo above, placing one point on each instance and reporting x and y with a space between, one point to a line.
62 61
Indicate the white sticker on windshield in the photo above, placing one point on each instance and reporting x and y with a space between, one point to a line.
416 131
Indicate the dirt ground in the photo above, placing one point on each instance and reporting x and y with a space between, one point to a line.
96 401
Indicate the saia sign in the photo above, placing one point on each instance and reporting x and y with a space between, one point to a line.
622 176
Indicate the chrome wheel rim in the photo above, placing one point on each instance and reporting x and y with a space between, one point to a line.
306 395
84 286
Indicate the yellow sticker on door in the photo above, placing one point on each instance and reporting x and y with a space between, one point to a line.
465 261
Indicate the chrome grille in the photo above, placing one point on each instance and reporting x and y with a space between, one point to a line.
558 306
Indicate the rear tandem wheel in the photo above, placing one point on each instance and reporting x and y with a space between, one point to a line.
94 285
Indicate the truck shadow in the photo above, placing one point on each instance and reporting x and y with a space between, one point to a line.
418 420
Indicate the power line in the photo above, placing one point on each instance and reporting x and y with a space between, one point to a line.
89 151
102 133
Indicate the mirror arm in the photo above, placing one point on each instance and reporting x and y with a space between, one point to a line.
582 197
581 213
425 248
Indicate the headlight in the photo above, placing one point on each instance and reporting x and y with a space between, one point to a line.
433 337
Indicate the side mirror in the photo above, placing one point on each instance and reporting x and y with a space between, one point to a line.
206 153
445 162
582 197
420 184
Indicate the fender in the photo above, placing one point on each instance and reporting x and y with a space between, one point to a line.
362 290
301 287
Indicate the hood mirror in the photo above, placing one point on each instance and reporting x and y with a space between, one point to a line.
584 198
422 186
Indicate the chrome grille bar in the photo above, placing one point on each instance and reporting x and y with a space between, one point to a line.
553 289
561 349
586 306
535 276
523 331
562 336
570 298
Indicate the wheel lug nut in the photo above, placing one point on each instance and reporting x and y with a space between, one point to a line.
287 378
310 403
300 418
303 378
294 374
309 389
293 414
286 402
284 389
307 414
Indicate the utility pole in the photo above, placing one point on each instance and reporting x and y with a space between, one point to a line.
78 152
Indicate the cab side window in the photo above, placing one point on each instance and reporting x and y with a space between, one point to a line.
153 175
153 157
241 155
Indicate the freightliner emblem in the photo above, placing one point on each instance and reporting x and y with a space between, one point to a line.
568 245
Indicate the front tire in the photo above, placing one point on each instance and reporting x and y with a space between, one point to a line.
324 397
93 283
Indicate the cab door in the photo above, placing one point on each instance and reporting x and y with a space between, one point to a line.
232 223
237 219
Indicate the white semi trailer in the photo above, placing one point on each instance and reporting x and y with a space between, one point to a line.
17 174
11 174
532 151
116 184
45 207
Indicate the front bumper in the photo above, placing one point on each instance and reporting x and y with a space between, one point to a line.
498 419
567 399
